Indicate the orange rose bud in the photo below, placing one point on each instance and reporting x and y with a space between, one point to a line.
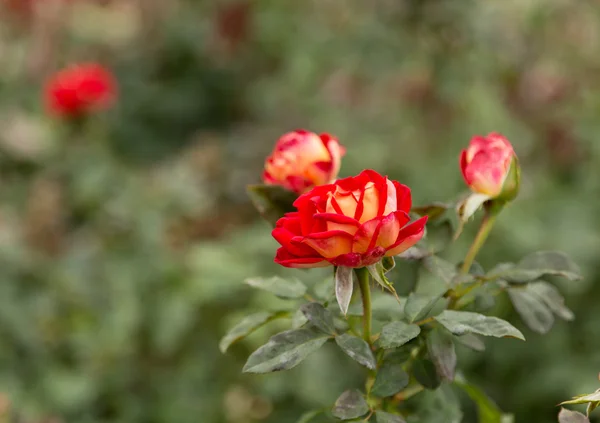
354 222
302 160
489 166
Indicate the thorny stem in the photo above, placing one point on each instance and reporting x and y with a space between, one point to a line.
365 291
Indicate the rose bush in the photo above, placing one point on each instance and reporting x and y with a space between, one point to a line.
486 164
353 222
302 160
80 89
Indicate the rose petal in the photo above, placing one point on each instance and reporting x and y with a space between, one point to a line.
408 236
390 228
338 222
403 197
328 244
365 237
285 259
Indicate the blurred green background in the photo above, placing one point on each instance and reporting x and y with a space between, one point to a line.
123 247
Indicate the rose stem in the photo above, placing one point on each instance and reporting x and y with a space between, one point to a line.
365 290
484 230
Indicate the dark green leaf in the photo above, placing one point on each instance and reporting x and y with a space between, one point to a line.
284 288
357 349
471 341
461 322
391 378
396 334
433 210
418 306
426 374
552 298
532 310
487 410
535 266
344 286
285 350
272 201
383 417
568 416
442 353
440 268
248 325
350 405
320 317
298 319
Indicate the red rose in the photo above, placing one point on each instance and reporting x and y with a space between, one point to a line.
302 160
353 222
80 89
486 163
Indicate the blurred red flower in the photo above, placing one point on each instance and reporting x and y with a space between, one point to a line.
80 89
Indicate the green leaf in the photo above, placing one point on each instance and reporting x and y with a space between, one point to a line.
285 350
350 405
344 286
426 374
584 399
298 319
471 341
319 316
487 410
418 306
552 298
248 325
391 378
383 417
386 307
442 353
441 268
535 266
377 271
388 264
461 322
271 201
283 288
433 210
532 309
396 334
357 349
592 406
568 416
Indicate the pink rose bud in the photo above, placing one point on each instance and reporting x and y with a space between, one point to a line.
490 167
302 160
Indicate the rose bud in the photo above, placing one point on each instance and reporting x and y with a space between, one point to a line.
354 222
302 160
79 90
489 166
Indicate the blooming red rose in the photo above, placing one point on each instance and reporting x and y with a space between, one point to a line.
486 163
302 160
80 89
353 222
